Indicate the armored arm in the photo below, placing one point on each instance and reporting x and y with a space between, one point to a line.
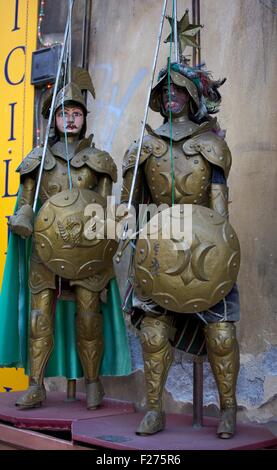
28 191
126 187
219 192
216 151
21 223
105 186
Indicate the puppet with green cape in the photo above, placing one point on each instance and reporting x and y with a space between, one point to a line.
52 258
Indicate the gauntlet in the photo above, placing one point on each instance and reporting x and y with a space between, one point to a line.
22 222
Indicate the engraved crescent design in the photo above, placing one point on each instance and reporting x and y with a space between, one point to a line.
198 260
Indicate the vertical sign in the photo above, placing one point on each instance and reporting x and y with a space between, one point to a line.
18 26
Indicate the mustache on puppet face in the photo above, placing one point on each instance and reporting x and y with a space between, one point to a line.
71 126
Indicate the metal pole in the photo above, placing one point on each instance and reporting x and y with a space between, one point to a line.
51 115
176 41
198 361
198 52
71 390
197 421
196 57
86 34
147 105
71 3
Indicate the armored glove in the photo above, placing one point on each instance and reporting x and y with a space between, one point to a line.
22 222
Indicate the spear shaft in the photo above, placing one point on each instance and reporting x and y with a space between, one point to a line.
51 113
147 105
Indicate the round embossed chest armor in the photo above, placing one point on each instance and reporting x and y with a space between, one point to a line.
66 239
188 259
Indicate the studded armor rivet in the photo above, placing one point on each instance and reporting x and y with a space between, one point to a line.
211 214
220 158
144 281
45 219
62 266
66 198
195 201
196 161
203 178
42 245
80 178
231 236
166 301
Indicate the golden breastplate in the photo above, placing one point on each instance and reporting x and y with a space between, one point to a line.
192 177
56 180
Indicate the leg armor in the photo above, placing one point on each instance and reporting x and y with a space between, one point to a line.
157 356
223 354
40 347
90 342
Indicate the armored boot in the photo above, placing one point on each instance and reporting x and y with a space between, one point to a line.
40 348
223 354
158 357
90 344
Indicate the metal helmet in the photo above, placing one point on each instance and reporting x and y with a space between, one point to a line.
179 80
70 93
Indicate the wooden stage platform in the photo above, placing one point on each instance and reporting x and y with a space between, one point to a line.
62 425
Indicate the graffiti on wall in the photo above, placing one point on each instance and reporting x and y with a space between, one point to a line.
109 108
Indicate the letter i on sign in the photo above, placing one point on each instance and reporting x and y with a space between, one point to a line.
16 27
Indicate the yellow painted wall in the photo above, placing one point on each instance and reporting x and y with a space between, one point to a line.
18 26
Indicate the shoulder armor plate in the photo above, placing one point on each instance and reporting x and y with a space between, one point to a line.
213 148
33 160
97 160
150 146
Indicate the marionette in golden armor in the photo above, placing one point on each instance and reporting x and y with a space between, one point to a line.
185 164
75 174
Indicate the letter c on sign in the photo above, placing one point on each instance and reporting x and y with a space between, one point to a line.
7 66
